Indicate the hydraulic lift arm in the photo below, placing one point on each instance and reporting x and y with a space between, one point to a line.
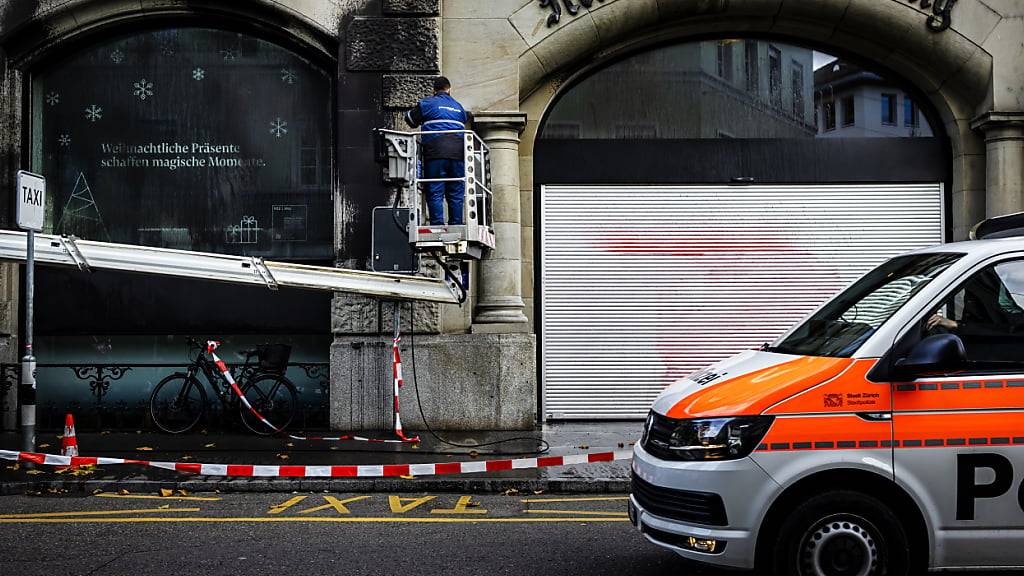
54 250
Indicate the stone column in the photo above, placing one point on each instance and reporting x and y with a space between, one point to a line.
1004 151
500 305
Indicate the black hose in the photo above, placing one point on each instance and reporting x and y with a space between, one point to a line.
542 449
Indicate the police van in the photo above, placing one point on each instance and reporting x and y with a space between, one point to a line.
882 435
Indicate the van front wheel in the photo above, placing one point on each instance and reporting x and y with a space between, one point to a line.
841 533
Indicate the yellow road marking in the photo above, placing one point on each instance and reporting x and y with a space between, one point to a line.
338 505
580 512
342 519
399 506
153 497
587 499
460 507
95 513
286 504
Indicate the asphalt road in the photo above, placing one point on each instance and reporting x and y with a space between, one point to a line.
326 534
351 534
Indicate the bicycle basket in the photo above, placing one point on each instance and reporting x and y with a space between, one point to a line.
274 357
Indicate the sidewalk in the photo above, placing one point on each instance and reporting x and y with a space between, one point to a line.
574 438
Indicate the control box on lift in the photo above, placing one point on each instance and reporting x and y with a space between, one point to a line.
399 155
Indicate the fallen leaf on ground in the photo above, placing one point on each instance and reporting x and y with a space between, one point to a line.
165 492
44 445
144 449
407 477
122 492
97 491
182 492
282 456
210 445
290 444
14 467
34 472
510 492
538 492
333 448
60 437
186 457
165 506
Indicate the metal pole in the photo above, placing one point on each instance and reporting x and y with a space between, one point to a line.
27 390
398 308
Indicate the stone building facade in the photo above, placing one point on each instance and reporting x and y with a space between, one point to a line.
510 61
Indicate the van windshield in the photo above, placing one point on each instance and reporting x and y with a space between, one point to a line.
840 327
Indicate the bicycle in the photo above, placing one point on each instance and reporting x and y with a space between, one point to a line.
179 401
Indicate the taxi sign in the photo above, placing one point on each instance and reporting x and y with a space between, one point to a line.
30 201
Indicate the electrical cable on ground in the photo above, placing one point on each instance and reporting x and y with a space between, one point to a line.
542 449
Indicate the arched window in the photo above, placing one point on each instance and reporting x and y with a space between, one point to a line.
735 88
188 138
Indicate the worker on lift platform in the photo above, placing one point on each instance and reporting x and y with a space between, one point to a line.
442 153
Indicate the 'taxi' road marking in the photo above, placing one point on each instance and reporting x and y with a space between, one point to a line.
332 502
461 507
286 505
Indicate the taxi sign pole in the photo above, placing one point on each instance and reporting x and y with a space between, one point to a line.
31 200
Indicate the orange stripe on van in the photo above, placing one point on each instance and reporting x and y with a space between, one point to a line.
755 392
978 393
845 432
974 429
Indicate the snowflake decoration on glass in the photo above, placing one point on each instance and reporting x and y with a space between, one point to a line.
53 98
93 113
278 127
64 140
117 56
229 53
198 73
288 76
143 89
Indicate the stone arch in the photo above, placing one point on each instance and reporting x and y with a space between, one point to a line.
948 68
30 29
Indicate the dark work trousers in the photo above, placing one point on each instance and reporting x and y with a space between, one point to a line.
437 192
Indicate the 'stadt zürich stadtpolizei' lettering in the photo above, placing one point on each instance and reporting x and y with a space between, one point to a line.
940 19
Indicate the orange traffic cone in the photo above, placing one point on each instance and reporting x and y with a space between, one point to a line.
69 444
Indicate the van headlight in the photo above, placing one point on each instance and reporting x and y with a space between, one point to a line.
705 438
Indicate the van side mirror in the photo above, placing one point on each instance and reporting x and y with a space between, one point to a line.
936 354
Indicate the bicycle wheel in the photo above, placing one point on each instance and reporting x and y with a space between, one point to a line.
177 403
274 397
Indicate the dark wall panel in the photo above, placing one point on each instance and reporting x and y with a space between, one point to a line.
717 161
69 302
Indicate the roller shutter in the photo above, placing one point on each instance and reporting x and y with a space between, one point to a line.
642 285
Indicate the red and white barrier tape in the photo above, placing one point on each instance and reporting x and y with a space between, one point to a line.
349 471
212 345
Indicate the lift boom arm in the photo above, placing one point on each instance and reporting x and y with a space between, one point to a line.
86 254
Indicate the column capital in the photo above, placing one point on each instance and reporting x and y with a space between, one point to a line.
994 120
489 124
